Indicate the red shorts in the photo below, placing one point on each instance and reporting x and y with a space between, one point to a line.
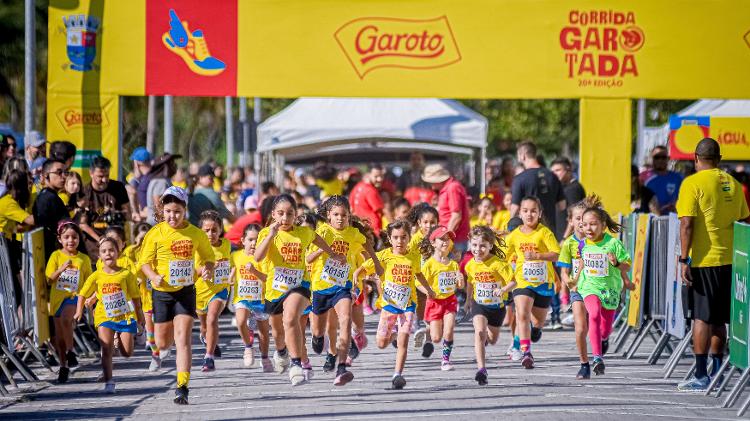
436 309
360 298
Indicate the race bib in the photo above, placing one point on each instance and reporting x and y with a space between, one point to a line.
249 289
181 273
397 295
447 282
484 293
596 265
115 304
68 280
335 272
221 272
285 279
535 272
575 267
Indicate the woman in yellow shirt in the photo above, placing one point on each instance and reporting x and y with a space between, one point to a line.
169 254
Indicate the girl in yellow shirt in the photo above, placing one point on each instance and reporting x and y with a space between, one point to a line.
169 255
501 218
212 294
485 212
282 246
444 277
534 248
66 271
119 306
423 218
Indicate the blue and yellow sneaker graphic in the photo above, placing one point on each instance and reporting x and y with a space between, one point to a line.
191 47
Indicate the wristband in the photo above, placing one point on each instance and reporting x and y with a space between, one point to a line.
685 261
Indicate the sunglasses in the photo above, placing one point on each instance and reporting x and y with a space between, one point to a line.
61 173
660 157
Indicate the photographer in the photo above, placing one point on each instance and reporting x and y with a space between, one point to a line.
105 203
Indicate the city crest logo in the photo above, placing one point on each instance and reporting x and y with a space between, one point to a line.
81 33
374 42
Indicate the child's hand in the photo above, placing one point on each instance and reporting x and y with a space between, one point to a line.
498 292
531 255
65 265
430 293
207 274
91 301
579 265
157 281
273 229
78 316
628 285
339 258
612 258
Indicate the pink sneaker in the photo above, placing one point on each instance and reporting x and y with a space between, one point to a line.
367 310
360 339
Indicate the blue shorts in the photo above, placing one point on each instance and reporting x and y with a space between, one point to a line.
321 303
257 309
124 326
575 296
66 302
307 310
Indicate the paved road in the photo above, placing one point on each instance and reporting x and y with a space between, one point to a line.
629 390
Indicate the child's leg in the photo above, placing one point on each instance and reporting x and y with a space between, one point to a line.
344 315
581 327
303 322
294 305
183 328
318 324
493 333
277 330
150 338
106 339
449 324
436 330
202 320
523 305
242 314
65 336
405 321
594 308
263 338
164 334
215 308
539 316
385 328
332 326
608 318
59 341
358 318
480 337
127 343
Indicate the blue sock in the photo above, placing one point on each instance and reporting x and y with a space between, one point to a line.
516 342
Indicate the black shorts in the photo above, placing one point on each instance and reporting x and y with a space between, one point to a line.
540 301
274 308
321 303
167 305
709 298
494 315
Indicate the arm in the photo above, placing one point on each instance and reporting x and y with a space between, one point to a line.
139 312
549 256
321 243
561 205
85 227
425 285
79 310
371 252
686 239
314 255
454 221
260 275
509 287
461 281
154 277
51 279
261 250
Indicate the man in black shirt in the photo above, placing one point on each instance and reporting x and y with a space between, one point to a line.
538 182
49 209
105 203
572 189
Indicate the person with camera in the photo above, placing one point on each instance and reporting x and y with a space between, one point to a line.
105 203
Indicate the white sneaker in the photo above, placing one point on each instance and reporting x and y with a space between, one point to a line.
248 358
109 387
446 366
155 364
515 354
280 363
267 365
568 321
296 375
419 337
164 354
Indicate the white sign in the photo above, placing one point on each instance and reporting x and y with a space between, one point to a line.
675 318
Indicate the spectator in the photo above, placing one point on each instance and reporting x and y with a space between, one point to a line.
156 182
141 158
412 177
709 203
268 188
14 200
572 189
8 148
251 216
210 200
365 198
104 203
662 184
48 208
453 205
34 153
63 151
538 182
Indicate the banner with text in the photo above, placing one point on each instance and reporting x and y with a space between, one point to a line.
739 328
639 270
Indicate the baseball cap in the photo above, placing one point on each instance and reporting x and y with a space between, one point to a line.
441 231
35 139
251 202
205 170
140 154
177 192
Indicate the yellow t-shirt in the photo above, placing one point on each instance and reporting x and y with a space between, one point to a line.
329 276
123 261
70 281
217 185
180 184
414 244
399 291
443 278
285 260
114 293
476 221
64 196
11 213
330 187
484 277
715 200
205 290
174 253
247 286
500 220
133 253
534 273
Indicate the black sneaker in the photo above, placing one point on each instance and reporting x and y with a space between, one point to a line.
394 344
330 363
536 334
217 351
72 359
181 395
481 377
62 375
353 350
427 349
398 382
208 365
584 373
598 366
605 346
317 344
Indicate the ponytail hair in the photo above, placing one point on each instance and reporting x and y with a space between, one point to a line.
425 246
594 205
487 234
415 213
211 215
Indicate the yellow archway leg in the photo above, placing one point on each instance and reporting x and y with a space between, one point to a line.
605 151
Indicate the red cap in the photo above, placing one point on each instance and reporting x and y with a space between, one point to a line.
441 231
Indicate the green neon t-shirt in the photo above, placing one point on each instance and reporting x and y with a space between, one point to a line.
599 276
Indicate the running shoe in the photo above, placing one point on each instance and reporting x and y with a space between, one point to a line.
427 349
165 353
317 344
536 334
605 346
598 366
446 365
584 373
330 363
367 310
568 321
155 364
343 377
481 377
62 375
267 365
353 350
419 337
361 340
72 359
307 370
181 395
528 361
515 354
556 325
217 351
109 387
248 358
280 363
694 384
394 343
349 361
208 365
398 382
296 375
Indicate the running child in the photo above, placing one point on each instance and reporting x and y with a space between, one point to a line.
601 277
169 255
485 212
332 280
397 293
534 248
444 277
66 271
423 219
282 246
489 280
502 216
248 299
118 309
212 294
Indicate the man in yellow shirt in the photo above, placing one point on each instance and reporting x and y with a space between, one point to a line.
709 203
